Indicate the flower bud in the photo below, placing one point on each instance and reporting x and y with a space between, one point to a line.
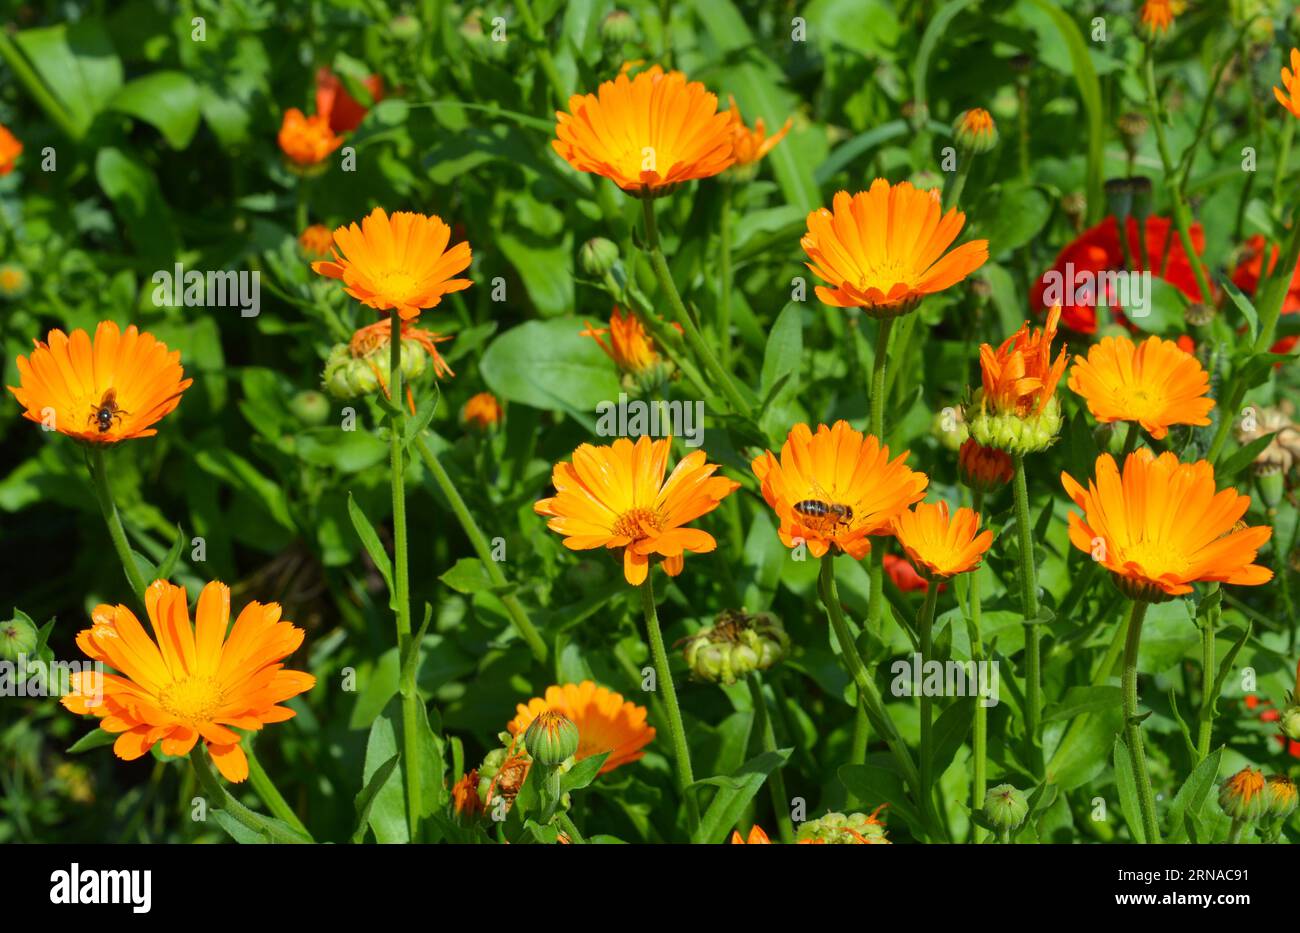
311 407
1014 433
975 130
1271 483
844 829
1242 795
1005 807
948 426
15 283
1143 197
617 28
1279 796
1119 200
597 256
1199 314
18 636
404 28
1289 722
983 469
1132 127
482 412
736 644
551 738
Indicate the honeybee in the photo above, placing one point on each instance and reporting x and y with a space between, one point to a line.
822 513
106 412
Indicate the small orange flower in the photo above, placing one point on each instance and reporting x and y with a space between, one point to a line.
751 145
193 681
646 134
1154 383
1157 17
306 141
482 411
400 262
756 837
630 347
1161 526
943 546
111 389
975 130
1020 377
836 487
317 240
983 468
465 801
1289 94
616 497
606 723
10 150
883 250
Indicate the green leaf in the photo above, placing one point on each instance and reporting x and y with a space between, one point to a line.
730 801
78 64
550 365
1244 305
366 798
167 567
950 731
934 31
1192 796
1080 700
1126 784
134 191
467 575
97 739
168 100
237 830
582 773
1242 457
874 785
370 540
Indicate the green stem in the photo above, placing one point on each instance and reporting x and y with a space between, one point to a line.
219 795
683 317
724 278
925 624
99 475
1205 716
979 742
518 616
270 794
957 181
1029 605
1132 727
876 427
1234 834
1130 441
53 108
401 585
1283 157
776 781
681 751
566 824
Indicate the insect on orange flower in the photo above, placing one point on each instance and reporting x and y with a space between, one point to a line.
939 544
835 487
616 497
109 389
306 141
399 262
606 722
885 249
189 681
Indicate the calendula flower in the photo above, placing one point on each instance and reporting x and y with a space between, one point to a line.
836 487
646 134
361 365
111 389
465 801
482 411
1288 95
333 102
400 262
1016 409
983 468
1155 383
306 141
1162 526
751 145
193 682
1280 797
1157 17
316 241
616 497
15 283
606 722
10 150
941 545
883 250
1242 795
632 350
756 837
975 130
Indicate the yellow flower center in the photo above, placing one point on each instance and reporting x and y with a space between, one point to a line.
885 275
1141 403
1156 558
638 523
192 700
396 284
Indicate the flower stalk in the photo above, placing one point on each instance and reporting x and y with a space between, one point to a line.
1132 724
99 474
1029 605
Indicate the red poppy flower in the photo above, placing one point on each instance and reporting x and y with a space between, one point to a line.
1097 249
904 575
1246 275
334 102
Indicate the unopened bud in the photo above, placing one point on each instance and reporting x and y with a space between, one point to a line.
1005 807
17 637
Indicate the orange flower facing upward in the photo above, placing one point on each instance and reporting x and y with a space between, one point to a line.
883 250
1016 409
111 389
605 721
1155 383
748 145
756 837
836 487
616 497
1161 526
189 682
306 141
317 241
400 262
938 544
1157 17
482 411
1288 95
10 150
646 134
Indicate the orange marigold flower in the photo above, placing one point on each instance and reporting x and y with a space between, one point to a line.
646 134
748 145
605 721
836 487
400 262
10 150
944 546
1020 377
1155 383
629 346
333 102
465 801
983 468
316 240
883 250
306 141
194 681
111 389
1161 526
1157 17
616 497
482 411
1289 94
756 837
975 130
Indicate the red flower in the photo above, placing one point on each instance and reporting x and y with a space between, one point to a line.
338 106
1246 275
904 575
1097 249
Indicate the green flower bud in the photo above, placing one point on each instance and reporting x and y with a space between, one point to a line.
347 376
1271 483
1279 796
1289 723
597 256
1005 806
17 637
1119 199
1015 433
1242 795
404 28
551 738
310 407
736 644
618 27
975 130
844 829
